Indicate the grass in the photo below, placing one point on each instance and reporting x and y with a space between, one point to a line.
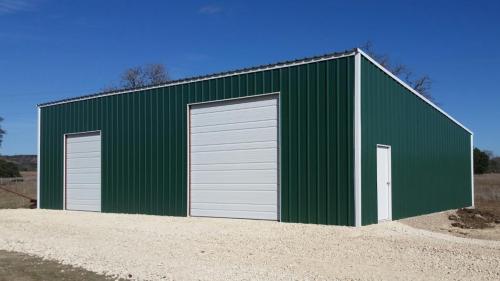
26 187
487 187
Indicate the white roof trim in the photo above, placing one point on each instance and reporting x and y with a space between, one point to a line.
187 81
411 89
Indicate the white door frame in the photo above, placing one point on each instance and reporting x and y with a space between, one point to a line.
389 149
65 143
188 143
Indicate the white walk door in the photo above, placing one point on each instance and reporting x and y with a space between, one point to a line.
83 172
384 183
234 159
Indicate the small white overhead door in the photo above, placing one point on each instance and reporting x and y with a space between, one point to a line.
83 172
234 159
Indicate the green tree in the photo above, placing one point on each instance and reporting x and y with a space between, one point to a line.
481 161
2 132
494 166
8 169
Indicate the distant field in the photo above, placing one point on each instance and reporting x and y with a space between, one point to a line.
487 191
26 187
487 187
24 162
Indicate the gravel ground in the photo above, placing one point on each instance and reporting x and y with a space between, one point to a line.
152 248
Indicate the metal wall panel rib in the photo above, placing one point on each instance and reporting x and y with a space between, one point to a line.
145 152
430 153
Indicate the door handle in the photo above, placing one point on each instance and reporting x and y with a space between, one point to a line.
388 183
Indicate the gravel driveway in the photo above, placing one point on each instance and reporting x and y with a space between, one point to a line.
153 247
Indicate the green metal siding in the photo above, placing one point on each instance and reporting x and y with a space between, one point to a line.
144 158
431 165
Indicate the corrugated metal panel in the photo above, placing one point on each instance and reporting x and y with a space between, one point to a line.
430 153
144 141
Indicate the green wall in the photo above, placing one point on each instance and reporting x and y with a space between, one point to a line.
144 165
431 165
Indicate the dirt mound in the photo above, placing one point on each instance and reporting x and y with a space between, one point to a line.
474 219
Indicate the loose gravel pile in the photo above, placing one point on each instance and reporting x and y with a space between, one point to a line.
155 248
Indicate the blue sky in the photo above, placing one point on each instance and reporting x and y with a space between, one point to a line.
51 50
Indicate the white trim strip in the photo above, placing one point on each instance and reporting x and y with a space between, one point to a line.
411 89
38 160
187 81
357 139
472 167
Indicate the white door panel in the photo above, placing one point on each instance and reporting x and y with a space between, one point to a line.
238 116
234 159
83 163
234 207
79 138
235 156
234 166
232 105
235 136
234 126
255 197
239 176
83 147
234 186
84 155
234 146
75 171
258 215
84 178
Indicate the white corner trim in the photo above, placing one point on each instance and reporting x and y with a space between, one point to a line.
472 167
357 139
411 89
39 128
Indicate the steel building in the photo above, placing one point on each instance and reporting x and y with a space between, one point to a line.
333 139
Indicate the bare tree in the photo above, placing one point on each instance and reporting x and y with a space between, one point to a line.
2 132
156 74
133 78
140 76
421 84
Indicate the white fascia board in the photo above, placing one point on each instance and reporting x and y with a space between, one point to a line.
411 89
187 81
357 140
38 161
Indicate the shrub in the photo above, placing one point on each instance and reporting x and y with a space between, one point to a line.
8 169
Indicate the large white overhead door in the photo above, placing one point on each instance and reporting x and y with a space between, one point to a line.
83 172
234 158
